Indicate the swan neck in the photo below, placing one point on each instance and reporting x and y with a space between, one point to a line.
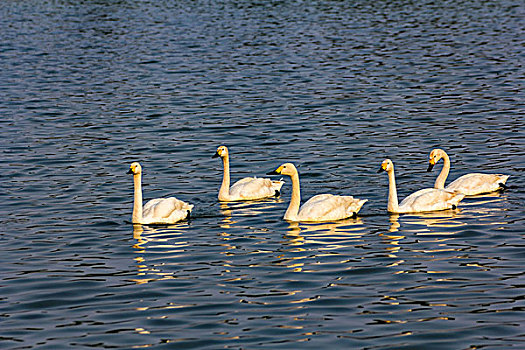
393 205
293 209
440 181
224 191
136 216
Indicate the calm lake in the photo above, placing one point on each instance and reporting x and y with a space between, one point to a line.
335 87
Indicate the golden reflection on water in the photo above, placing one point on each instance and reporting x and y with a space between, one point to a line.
341 227
248 208
443 223
449 222
323 237
447 219
391 240
484 198
226 211
168 238
152 238
305 243
329 236
479 207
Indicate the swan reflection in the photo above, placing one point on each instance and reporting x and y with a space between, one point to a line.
326 234
226 211
345 226
149 238
444 219
478 208
312 241
391 240
250 208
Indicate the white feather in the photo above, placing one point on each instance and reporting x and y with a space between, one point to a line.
469 184
156 211
320 208
248 188
428 199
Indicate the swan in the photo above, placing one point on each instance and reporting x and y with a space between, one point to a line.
248 188
156 211
427 199
468 184
323 207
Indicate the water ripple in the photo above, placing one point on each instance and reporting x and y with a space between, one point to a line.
335 87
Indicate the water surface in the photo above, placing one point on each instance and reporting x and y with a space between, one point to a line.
335 87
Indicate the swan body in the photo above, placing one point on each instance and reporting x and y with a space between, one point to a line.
248 188
469 184
156 211
319 208
427 199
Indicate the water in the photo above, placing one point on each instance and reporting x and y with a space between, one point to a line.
335 87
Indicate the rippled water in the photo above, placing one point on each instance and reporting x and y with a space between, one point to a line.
87 87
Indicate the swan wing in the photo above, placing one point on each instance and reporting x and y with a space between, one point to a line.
254 188
430 199
476 183
165 210
158 207
328 207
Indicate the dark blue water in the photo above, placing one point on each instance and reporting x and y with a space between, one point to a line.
87 87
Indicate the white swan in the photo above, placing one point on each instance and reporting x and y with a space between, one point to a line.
469 184
156 211
427 199
249 188
323 207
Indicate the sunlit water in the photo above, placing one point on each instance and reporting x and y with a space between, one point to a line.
87 87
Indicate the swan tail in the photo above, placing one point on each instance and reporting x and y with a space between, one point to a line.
277 184
360 203
276 187
502 182
357 204
454 202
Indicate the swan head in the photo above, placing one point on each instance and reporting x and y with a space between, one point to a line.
222 151
285 169
434 157
387 166
135 168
